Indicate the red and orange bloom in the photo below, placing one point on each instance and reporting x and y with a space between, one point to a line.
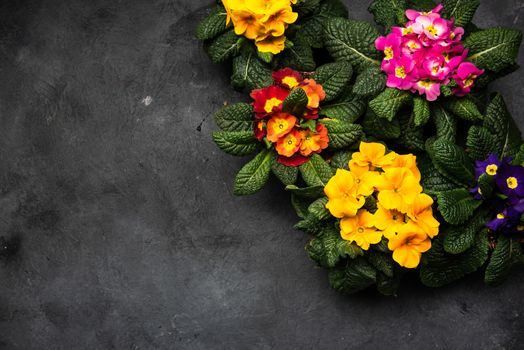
260 129
314 142
268 100
280 125
288 145
315 93
287 78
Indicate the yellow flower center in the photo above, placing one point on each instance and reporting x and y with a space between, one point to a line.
388 51
400 72
491 169
512 182
412 45
360 230
425 83
290 81
407 31
271 103
432 30
470 80
500 216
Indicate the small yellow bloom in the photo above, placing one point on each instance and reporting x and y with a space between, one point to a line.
421 213
388 221
398 188
408 161
270 43
373 155
341 191
360 229
408 245
364 179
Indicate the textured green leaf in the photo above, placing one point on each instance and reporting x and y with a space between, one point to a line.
236 117
411 136
328 248
462 11
296 102
464 108
439 268
254 175
494 49
433 181
312 28
306 7
387 104
457 206
348 111
380 128
421 110
353 41
237 143
452 162
318 209
342 134
445 123
370 82
340 159
225 46
383 262
458 239
286 174
333 77
213 25
388 13
250 73
480 142
306 192
388 285
499 122
358 275
507 253
300 204
316 172
300 56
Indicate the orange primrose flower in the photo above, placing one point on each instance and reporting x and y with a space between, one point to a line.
360 229
279 125
408 161
388 221
315 93
398 188
421 213
373 155
314 142
341 191
247 23
289 144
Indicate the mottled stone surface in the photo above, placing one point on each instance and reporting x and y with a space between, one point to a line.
119 215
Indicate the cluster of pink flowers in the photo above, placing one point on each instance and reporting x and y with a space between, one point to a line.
426 54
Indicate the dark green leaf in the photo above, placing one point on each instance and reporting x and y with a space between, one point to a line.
213 25
358 275
225 46
342 134
250 73
348 111
506 254
388 13
237 143
333 77
254 175
451 161
380 128
296 102
316 172
458 239
464 108
370 82
236 117
387 104
286 174
306 192
457 206
421 110
461 11
445 123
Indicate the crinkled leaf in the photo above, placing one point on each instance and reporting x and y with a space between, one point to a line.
316 172
457 206
286 174
421 110
340 159
387 104
348 111
299 56
236 117
433 181
237 143
254 175
411 136
306 7
312 28
213 25
480 142
506 254
300 204
451 161
462 11
445 123
296 102
388 13
342 134
306 192
225 46
381 261
458 239
358 275
464 108
380 128
328 248
333 77
370 82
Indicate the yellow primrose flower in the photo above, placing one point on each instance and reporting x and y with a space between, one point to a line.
408 245
388 221
341 191
272 44
278 16
247 23
360 229
408 161
364 179
373 154
398 188
421 213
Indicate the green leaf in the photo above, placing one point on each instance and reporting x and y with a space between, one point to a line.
421 110
439 268
300 204
298 57
328 248
379 128
267 57
250 73
306 192
494 49
486 186
387 104
370 82
237 143
348 111
388 13
462 11
286 174
452 162
458 239
445 123
499 122
312 28
333 77
411 136
353 41
296 102
507 253
225 46
306 7
433 181
464 108
480 142
519 157
457 206
254 175
316 172
236 117
213 25
318 209
340 159
342 134
421 5
388 285
383 262
358 275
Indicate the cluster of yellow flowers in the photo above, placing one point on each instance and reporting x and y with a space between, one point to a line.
404 214
263 21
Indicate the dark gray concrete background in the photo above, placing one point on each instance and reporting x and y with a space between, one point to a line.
122 210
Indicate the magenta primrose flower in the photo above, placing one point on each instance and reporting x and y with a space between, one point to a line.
425 54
